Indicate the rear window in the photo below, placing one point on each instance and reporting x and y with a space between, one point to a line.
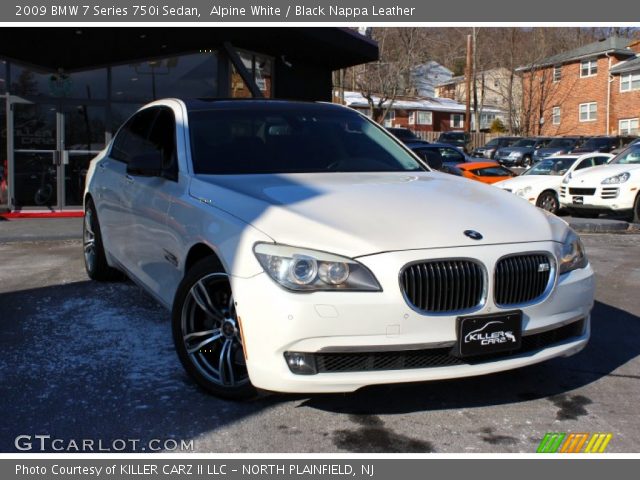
290 140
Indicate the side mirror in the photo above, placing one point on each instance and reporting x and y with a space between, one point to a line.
146 165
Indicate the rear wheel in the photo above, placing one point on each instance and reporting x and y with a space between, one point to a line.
635 217
95 260
548 201
207 334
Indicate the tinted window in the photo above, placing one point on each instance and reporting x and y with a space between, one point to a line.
132 139
493 172
493 143
594 143
601 160
163 138
525 142
283 139
562 142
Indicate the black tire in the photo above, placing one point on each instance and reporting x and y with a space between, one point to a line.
215 327
635 216
95 260
548 201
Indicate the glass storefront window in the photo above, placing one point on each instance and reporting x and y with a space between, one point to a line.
261 68
120 113
84 127
4 163
183 76
3 77
90 84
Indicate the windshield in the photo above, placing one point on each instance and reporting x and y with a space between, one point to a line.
493 143
561 142
631 156
290 140
525 142
551 166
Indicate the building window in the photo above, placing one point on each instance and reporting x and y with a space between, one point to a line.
555 115
588 68
261 69
457 120
630 81
557 73
628 126
389 117
421 118
588 112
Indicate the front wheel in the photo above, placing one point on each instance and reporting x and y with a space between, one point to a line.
548 201
207 333
635 217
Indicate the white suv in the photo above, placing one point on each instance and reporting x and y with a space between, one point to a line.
301 248
614 187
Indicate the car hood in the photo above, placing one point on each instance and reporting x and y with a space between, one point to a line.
530 180
552 150
599 173
505 150
356 214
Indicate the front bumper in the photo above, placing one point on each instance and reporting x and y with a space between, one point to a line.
275 321
614 198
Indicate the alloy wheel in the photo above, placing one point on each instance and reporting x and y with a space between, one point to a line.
211 332
89 240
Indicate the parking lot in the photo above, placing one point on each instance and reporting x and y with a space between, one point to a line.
87 360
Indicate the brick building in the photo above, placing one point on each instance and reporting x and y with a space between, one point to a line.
425 114
591 90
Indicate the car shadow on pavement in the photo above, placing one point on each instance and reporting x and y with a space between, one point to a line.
613 343
91 360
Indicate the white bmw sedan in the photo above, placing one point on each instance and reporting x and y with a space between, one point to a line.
301 248
540 185
614 187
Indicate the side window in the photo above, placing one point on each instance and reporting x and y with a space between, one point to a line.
587 162
600 160
132 139
451 155
163 139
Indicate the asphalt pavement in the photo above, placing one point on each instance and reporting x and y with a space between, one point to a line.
86 360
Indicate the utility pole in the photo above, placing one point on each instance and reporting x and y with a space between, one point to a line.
467 116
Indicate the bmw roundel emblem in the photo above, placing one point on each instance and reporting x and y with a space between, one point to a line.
472 234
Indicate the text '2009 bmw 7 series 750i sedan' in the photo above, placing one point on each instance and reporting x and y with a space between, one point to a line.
301 248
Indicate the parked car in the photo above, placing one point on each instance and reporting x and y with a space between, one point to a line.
437 152
612 187
618 150
491 147
540 184
604 144
485 172
302 248
557 146
521 153
462 140
405 135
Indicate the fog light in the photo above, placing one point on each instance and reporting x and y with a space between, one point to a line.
301 363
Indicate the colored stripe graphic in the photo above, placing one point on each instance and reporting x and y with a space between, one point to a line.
558 442
598 443
550 443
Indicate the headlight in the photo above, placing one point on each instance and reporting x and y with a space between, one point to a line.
572 255
620 178
303 270
523 191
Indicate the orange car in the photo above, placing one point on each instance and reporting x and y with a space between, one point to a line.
485 172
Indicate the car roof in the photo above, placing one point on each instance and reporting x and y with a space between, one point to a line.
199 104
430 145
